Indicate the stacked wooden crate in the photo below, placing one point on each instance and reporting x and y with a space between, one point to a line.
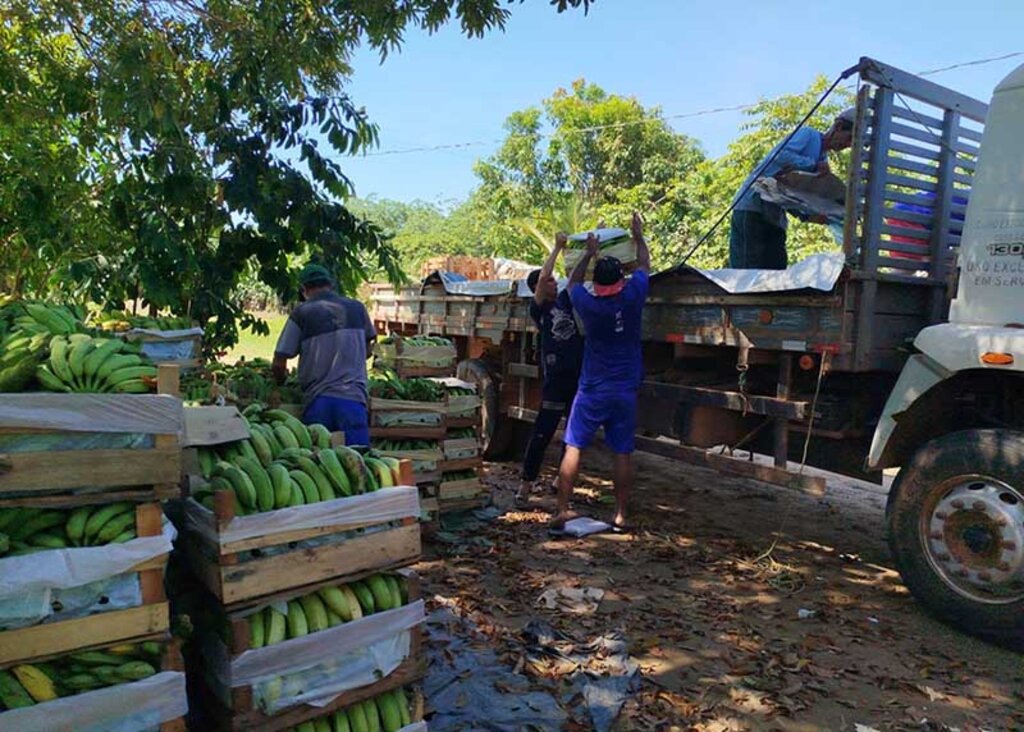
278 642
440 439
84 621
461 484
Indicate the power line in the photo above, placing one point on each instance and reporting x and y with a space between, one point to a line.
681 115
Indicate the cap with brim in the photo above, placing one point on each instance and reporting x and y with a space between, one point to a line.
313 273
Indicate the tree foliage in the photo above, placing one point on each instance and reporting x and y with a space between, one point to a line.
192 141
585 156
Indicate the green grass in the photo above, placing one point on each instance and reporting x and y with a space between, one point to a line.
251 345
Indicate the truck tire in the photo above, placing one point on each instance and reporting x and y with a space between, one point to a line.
956 530
495 432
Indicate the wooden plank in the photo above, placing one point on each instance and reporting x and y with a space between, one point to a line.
523 369
915 133
726 399
266 575
412 433
213 426
148 522
922 234
920 88
917 117
907 264
168 379
911 166
54 470
109 628
892 179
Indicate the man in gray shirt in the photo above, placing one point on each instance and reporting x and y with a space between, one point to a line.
331 335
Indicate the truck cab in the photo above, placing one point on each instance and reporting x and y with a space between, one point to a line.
954 421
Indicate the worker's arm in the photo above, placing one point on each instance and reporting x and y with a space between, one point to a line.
279 368
287 347
548 268
643 254
579 272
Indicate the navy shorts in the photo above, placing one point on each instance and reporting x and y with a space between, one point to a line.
616 412
340 415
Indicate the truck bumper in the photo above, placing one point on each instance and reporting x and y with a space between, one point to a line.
920 373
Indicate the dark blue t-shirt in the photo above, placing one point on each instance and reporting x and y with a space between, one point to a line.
561 345
612 359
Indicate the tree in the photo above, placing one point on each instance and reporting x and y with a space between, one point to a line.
212 138
605 155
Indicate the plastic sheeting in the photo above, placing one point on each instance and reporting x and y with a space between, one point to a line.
463 680
151 413
30 580
114 593
140 705
316 668
389 504
623 251
817 272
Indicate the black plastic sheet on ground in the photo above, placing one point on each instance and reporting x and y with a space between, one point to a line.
468 687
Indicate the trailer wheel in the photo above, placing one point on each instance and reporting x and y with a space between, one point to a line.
495 432
956 530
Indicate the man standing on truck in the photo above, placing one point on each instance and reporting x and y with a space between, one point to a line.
757 237
331 335
561 354
612 370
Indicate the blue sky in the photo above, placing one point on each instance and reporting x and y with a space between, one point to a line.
681 55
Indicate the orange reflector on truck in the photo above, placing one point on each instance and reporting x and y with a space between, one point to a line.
997 359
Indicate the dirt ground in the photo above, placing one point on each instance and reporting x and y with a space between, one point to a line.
748 607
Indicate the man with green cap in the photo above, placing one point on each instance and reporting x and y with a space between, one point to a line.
331 335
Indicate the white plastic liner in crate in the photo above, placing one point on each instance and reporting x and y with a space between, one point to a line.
315 669
132 707
401 412
84 579
423 461
387 504
436 356
169 345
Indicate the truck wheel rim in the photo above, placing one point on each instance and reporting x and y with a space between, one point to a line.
973 535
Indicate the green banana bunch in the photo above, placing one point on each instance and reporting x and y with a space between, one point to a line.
387 712
326 608
20 355
284 463
28 530
29 684
82 363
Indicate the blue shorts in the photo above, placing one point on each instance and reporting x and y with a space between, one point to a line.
340 415
615 412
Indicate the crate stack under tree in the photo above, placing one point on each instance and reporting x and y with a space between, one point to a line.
84 621
300 547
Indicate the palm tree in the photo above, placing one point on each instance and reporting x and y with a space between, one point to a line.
571 214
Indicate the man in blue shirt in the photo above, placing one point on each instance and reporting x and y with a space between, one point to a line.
757 237
561 353
612 369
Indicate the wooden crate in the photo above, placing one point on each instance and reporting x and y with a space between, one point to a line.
171 660
105 628
233 579
475 268
55 478
242 713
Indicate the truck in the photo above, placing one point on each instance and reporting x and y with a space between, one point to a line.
912 358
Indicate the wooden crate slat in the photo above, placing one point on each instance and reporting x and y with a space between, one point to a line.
241 581
56 470
67 636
